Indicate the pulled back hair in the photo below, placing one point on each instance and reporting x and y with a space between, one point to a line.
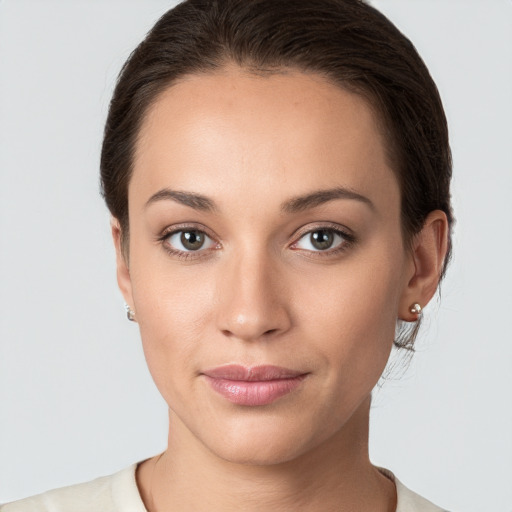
347 42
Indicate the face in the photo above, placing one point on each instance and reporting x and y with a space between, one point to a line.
264 232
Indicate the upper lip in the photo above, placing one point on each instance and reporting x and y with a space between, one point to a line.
252 373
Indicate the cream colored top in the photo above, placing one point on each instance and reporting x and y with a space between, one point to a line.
119 493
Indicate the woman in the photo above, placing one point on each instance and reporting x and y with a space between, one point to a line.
278 177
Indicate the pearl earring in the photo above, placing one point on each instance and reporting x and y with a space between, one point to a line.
130 314
415 309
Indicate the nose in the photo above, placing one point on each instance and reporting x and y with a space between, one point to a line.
252 298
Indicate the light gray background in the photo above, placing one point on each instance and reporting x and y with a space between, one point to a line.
76 400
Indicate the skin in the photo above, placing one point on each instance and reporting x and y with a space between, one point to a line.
258 291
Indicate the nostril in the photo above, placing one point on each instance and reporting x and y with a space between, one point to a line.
228 333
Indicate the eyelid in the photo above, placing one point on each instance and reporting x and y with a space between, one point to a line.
176 228
201 249
323 225
186 254
345 233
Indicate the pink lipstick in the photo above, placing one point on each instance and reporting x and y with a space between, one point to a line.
258 385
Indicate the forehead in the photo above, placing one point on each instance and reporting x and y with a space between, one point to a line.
234 132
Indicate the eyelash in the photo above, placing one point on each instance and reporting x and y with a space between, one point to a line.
183 255
348 241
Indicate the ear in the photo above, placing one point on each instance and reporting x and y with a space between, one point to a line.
427 257
123 272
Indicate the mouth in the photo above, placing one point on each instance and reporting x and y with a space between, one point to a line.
253 386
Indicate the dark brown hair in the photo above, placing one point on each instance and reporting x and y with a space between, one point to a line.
346 41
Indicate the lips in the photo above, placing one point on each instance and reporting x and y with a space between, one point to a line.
253 386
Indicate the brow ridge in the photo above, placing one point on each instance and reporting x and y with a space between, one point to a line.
293 205
191 199
319 197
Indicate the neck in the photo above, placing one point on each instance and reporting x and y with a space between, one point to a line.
336 475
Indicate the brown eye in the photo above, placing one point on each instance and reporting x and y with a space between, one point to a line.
320 240
189 240
192 240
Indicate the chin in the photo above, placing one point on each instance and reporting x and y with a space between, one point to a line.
259 454
264 441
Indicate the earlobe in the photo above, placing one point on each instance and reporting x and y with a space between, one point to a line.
428 253
123 271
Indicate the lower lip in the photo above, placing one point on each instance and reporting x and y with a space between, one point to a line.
253 393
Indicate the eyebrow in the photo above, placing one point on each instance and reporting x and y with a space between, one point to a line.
319 197
195 201
293 205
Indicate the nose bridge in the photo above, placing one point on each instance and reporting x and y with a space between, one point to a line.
252 301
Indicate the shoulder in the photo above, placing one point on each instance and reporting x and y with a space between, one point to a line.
108 493
407 500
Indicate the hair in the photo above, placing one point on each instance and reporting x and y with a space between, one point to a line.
347 42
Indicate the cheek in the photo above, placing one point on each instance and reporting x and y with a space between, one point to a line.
351 315
173 309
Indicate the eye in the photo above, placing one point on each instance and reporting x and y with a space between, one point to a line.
322 239
188 240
